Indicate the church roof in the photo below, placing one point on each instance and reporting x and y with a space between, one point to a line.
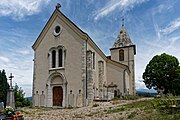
122 39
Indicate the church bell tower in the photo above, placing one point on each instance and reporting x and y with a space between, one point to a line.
123 51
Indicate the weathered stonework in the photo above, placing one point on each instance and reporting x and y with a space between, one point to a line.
79 101
42 100
71 100
89 78
36 100
101 74
84 71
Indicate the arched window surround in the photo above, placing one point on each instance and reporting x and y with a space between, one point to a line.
57 60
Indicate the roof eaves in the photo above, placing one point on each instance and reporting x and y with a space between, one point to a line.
34 46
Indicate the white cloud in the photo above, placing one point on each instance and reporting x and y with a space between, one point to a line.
123 5
24 51
140 84
163 8
4 59
18 9
174 25
21 70
16 57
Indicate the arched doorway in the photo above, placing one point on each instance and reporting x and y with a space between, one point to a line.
57 96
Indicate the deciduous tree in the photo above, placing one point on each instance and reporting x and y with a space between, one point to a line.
162 72
20 100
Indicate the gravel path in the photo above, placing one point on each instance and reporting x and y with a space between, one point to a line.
105 111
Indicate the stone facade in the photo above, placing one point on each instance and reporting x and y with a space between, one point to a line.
71 70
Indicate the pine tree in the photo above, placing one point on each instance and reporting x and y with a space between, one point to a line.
4 86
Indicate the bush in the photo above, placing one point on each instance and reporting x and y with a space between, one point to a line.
70 107
18 104
163 102
95 105
116 98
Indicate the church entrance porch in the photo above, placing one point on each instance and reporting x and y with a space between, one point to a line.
56 90
57 96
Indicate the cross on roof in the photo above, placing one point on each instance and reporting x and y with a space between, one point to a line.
58 6
122 20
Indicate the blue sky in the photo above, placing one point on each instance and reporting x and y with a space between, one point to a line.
153 25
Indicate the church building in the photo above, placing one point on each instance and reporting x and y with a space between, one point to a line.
70 70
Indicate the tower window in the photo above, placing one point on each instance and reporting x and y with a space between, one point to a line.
53 59
121 55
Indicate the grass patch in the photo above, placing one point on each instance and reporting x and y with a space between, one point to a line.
140 104
155 109
109 111
131 115
132 97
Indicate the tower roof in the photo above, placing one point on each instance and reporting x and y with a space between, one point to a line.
123 38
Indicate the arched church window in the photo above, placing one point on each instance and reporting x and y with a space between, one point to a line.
57 57
60 53
53 59
121 55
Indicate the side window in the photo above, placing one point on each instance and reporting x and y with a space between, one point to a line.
121 55
53 59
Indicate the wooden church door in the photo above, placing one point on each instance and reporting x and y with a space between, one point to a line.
57 96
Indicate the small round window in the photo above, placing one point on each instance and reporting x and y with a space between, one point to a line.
57 30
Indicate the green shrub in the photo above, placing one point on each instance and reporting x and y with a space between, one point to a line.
69 107
163 102
95 105
116 98
18 104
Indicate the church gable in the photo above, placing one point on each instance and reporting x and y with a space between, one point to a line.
62 19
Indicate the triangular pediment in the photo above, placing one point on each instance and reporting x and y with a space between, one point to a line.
58 13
